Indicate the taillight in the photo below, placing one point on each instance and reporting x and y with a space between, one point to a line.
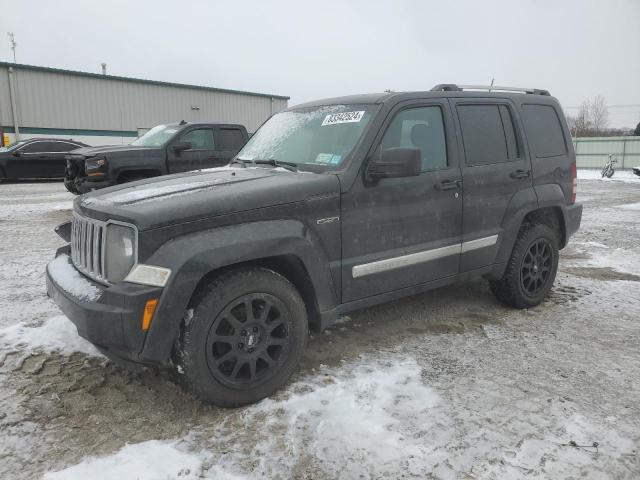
574 182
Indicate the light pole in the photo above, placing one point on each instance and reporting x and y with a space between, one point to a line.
12 44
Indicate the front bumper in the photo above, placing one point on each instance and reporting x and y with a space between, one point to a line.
109 317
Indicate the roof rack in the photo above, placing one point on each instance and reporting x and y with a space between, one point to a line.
452 87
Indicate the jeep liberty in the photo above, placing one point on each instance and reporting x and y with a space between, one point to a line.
331 206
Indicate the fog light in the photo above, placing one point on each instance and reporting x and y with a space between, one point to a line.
149 310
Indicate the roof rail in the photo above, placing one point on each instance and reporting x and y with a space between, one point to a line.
450 87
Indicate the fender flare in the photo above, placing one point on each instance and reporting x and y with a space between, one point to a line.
193 256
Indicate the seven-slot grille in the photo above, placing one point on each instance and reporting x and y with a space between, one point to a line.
87 243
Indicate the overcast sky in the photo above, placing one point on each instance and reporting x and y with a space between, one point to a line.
308 50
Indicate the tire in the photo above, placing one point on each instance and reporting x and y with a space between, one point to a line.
610 173
231 355
71 187
531 269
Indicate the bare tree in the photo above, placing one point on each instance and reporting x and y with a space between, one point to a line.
583 120
599 114
637 130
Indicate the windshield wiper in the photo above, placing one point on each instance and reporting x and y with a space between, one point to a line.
291 166
242 161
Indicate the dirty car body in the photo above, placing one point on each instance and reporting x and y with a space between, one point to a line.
374 198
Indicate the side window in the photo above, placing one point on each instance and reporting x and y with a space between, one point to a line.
61 147
544 130
484 134
421 128
201 139
35 147
230 139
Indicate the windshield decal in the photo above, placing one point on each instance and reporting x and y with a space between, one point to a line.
344 117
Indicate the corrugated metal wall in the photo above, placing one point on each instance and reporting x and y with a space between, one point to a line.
593 152
66 100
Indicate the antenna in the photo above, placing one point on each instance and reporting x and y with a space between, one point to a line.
12 44
492 80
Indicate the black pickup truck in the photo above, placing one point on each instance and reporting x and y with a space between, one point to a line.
331 206
171 148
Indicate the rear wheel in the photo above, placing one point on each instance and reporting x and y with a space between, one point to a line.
248 331
531 270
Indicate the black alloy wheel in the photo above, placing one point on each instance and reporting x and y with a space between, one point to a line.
536 267
248 340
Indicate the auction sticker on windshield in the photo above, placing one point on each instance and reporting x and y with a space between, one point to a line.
344 117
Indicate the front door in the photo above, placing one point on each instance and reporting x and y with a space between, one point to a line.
197 156
401 232
496 167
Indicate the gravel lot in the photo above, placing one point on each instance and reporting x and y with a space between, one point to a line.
448 384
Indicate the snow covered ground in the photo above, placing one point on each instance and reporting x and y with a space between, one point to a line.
449 384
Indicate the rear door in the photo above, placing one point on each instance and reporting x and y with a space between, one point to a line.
198 156
229 141
496 166
53 161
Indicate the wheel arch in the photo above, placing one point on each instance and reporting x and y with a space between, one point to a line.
195 266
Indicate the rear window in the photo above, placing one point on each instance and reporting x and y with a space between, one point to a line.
544 130
230 139
483 134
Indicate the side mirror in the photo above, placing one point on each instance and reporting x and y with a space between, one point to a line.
181 146
17 154
395 163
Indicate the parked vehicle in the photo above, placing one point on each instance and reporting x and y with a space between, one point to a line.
172 148
36 158
331 206
608 170
636 170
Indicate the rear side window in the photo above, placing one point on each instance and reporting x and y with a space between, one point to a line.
230 139
421 128
61 147
488 134
544 130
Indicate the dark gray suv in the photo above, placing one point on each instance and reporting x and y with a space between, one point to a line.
331 206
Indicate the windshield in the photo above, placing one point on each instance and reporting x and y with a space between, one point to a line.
318 136
11 147
157 136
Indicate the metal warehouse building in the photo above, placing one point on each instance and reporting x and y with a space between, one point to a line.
106 109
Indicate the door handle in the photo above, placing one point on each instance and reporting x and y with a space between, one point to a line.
520 174
448 185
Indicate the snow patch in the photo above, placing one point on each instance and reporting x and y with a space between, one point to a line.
630 206
150 460
354 422
618 176
13 210
56 334
146 193
72 281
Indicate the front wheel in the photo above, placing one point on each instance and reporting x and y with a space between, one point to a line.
245 338
531 269
70 185
610 172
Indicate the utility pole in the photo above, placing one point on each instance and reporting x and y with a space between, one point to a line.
12 44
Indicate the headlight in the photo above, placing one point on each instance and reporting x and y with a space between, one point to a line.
120 251
94 165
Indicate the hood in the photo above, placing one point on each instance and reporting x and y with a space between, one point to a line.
174 199
110 149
